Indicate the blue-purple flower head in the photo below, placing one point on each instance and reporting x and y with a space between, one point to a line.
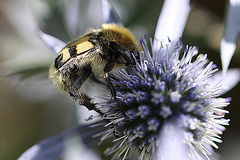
167 85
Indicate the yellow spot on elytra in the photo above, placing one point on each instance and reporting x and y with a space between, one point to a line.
84 46
66 54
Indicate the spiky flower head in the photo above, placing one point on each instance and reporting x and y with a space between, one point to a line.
167 85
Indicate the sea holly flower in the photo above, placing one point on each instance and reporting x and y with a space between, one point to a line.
168 85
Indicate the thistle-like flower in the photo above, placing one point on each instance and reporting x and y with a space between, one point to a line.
168 85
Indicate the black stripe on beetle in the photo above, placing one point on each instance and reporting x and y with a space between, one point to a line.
58 61
73 51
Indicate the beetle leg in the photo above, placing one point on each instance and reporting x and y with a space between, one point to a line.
109 66
77 96
110 85
83 99
117 49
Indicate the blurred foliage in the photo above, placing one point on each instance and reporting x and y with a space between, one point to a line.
31 109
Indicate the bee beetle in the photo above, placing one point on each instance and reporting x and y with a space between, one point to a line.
96 53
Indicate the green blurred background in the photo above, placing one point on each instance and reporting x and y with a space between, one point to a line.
31 109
